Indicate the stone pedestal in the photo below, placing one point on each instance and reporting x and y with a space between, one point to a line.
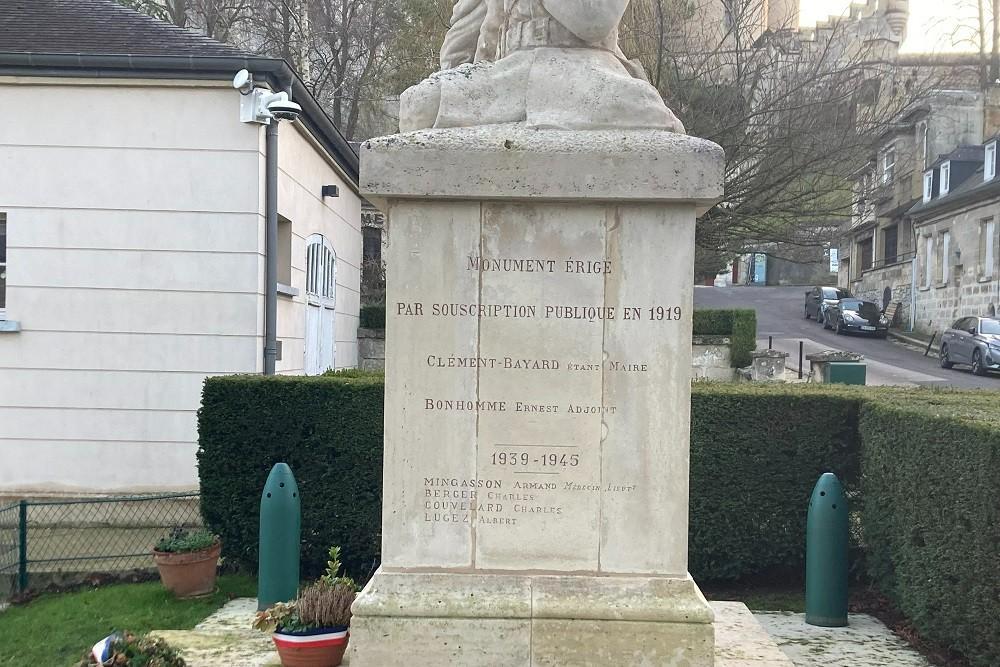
538 360
768 365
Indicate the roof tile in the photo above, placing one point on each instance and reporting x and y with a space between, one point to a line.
96 27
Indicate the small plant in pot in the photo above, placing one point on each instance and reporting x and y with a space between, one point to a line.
187 561
312 630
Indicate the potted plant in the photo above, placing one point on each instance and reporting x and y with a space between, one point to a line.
187 561
312 630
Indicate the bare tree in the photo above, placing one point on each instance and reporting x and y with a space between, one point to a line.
797 114
218 19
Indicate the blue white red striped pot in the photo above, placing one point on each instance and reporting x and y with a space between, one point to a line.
323 647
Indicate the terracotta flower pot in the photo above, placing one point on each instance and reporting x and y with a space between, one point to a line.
323 647
188 574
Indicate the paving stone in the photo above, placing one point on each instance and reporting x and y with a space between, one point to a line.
225 639
865 642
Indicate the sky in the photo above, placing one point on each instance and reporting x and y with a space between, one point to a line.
932 22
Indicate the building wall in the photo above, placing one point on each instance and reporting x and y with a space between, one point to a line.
898 279
132 218
136 270
302 172
970 289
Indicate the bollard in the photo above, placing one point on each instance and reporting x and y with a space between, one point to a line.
826 554
280 530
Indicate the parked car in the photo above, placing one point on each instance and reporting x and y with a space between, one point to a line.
974 341
819 299
850 315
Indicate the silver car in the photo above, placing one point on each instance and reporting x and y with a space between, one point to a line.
974 341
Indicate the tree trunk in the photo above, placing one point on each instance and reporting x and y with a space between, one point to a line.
983 66
995 59
178 13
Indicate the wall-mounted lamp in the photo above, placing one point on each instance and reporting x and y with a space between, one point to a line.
331 191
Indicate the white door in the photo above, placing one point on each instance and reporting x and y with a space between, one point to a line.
321 302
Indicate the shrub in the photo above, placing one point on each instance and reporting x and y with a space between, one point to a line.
327 429
372 317
739 324
325 603
353 373
184 541
932 516
756 452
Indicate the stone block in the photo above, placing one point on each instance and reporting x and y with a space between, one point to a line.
768 365
538 371
521 620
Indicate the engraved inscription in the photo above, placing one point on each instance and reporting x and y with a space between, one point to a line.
530 481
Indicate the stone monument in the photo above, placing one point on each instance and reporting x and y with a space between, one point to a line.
540 211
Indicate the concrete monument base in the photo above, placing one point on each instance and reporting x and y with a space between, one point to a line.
537 412
514 620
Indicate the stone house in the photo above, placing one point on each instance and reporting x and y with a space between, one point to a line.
133 252
877 248
955 224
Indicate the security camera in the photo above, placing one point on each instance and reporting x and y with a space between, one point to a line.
257 105
284 109
243 82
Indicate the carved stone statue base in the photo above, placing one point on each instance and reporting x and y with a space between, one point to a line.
511 620
537 408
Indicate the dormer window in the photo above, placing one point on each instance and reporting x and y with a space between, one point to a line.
945 178
928 185
990 161
888 165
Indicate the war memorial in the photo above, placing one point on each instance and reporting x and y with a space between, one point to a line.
541 204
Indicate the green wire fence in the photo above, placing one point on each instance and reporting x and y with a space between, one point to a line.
67 541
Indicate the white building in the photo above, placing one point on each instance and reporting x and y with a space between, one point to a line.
132 243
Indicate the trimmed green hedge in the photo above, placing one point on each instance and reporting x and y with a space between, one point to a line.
372 317
328 429
740 324
931 479
756 452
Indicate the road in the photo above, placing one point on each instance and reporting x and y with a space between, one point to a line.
780 315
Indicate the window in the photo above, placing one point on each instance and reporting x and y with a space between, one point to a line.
987 243
888 165
320 268
890 244
867 256
372 244
3 264
321 300
284 251
928 260
944 259
989 326
928 186
990 163
964 324
945 178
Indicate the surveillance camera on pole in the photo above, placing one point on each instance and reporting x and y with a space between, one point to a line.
257 105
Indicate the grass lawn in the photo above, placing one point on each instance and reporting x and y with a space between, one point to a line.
58 629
